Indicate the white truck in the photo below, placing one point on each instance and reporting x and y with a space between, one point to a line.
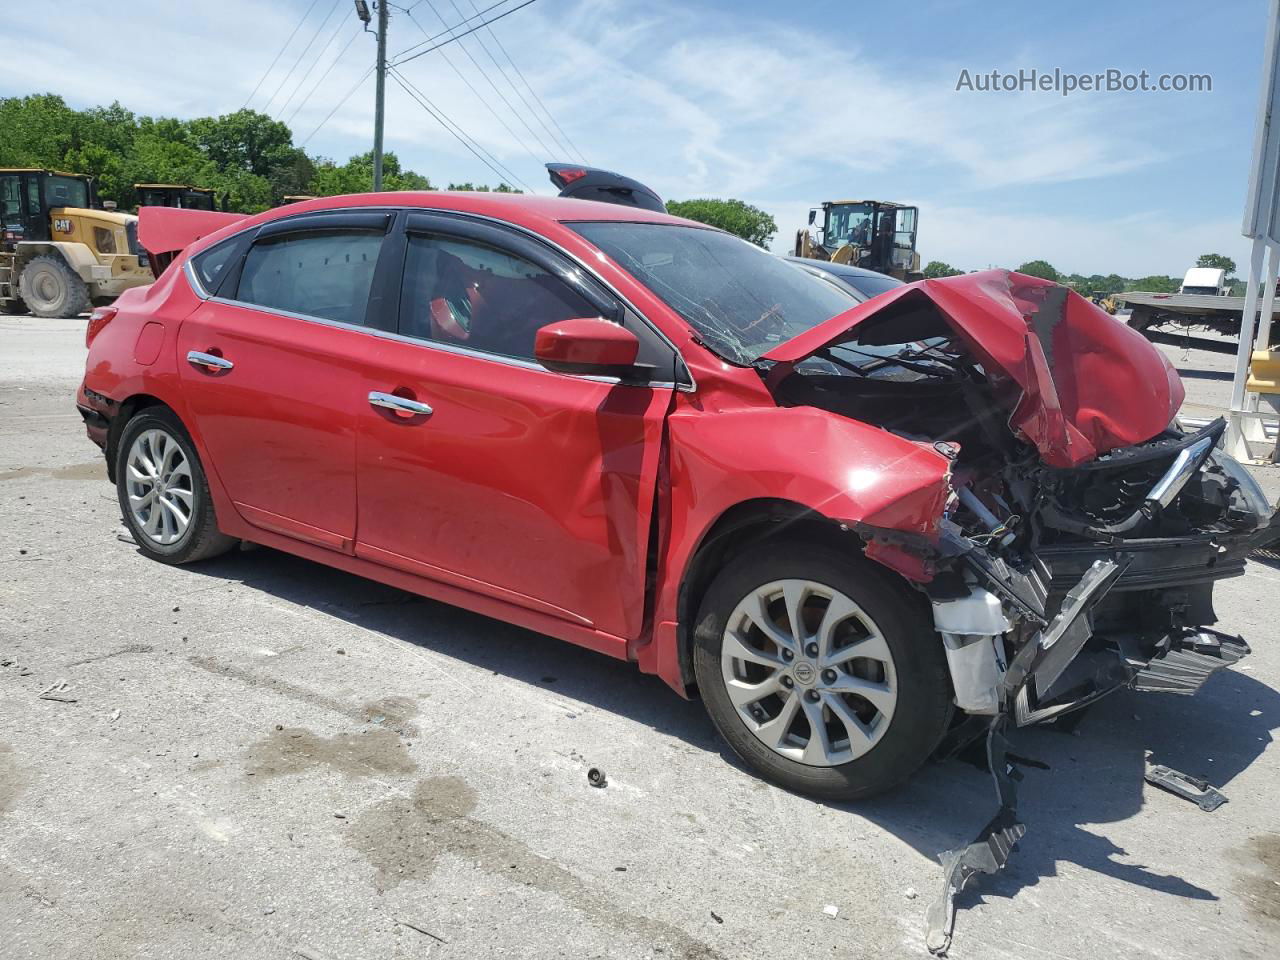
1206 281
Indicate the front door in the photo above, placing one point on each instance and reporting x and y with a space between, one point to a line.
497 475
272 369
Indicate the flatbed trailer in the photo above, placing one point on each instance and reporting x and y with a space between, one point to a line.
1170 318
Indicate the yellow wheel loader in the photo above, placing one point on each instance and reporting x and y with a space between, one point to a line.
872 234
60 253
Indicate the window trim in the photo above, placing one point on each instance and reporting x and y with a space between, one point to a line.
395 241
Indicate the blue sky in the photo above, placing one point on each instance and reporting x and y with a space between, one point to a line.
782 105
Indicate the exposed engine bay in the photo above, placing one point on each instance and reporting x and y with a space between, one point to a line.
1080 539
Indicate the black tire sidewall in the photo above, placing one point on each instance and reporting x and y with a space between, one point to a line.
924 705
187 545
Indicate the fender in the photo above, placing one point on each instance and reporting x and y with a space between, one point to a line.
77 255
848 471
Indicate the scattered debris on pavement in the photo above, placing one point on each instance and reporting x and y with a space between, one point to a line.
1200 792
59 691
988 853
596 777
831 910
422 930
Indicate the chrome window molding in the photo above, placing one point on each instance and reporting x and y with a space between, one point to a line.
192 278
690 387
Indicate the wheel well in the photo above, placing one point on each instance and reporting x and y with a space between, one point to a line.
741 526
129 408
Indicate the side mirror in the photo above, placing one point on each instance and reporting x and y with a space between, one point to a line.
586 345
813 215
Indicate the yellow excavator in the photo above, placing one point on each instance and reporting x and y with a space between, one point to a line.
61 251
872 234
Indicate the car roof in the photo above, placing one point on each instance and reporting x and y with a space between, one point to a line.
516 207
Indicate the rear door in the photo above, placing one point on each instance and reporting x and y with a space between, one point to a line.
509 480
272 367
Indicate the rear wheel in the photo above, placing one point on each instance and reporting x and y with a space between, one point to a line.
823 674
163 493
52 289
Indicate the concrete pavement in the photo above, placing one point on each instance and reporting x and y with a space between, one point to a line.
262 757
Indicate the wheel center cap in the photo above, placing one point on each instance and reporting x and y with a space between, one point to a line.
804 672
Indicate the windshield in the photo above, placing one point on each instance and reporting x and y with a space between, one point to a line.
848 223
741 301
66 192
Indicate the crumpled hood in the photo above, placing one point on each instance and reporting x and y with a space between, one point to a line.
1077 382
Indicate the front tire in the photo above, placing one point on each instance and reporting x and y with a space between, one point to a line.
164 496
53 290
823 674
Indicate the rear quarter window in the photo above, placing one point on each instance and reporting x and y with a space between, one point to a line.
211 266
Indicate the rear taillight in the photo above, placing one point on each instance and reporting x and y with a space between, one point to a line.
567 175
100 317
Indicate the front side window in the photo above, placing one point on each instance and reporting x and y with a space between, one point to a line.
471 295
66 192
324 274
11 197
740 300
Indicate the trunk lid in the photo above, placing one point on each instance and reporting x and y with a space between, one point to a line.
1076 381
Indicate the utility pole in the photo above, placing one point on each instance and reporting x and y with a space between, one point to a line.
380 106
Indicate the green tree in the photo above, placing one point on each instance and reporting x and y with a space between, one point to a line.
1156 284
734 216
356 176
1217 261
936 268
1041 269
482 188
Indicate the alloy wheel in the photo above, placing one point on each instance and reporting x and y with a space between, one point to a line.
159 485
808 672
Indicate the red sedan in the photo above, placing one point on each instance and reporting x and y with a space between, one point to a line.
851 527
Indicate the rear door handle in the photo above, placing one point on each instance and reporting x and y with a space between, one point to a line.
399 404
208 361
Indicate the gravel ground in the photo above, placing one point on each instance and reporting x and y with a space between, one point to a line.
262 757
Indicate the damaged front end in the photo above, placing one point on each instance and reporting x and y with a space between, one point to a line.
1084 532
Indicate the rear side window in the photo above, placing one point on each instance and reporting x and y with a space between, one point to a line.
324 274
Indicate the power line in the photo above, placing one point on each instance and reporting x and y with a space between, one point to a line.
423 43
479 38
458 134
280 54
314 63
459 36
302 54
324 76
524 80
488 79
347 96
515 136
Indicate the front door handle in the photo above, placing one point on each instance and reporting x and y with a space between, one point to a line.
208 361
399 404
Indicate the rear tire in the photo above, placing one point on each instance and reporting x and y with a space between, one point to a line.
164 496
51 289
870 670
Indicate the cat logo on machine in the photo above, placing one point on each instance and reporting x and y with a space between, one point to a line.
62 225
